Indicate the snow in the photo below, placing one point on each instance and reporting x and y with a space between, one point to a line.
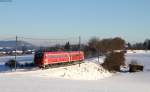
141 57
54 80
95 60
136 82
90 69
84 71
24 58
21 59
138 51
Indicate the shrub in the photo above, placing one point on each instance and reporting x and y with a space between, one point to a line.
135 67
12 63
29 64
113 61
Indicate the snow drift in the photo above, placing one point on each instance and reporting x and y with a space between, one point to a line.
84 71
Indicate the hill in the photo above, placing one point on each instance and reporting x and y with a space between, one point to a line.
12 44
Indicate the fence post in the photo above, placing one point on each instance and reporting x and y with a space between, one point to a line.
79 48
16 52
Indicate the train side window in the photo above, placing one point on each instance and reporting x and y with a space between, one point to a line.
56 56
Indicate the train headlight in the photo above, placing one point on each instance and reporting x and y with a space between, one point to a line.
46 61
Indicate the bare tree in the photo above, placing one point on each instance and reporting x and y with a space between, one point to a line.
67 46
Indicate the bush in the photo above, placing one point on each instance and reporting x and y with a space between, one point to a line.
113 61
29 64
135 67
12 63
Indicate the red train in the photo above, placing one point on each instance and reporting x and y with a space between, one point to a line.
43 59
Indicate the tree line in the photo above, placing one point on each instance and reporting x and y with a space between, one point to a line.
140 45
97 47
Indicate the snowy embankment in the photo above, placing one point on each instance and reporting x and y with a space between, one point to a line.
84 71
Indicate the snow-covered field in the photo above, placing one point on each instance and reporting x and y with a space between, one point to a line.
51 81
138 82
25 58
141 57
21 59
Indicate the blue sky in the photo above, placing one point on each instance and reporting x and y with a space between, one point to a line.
128 19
